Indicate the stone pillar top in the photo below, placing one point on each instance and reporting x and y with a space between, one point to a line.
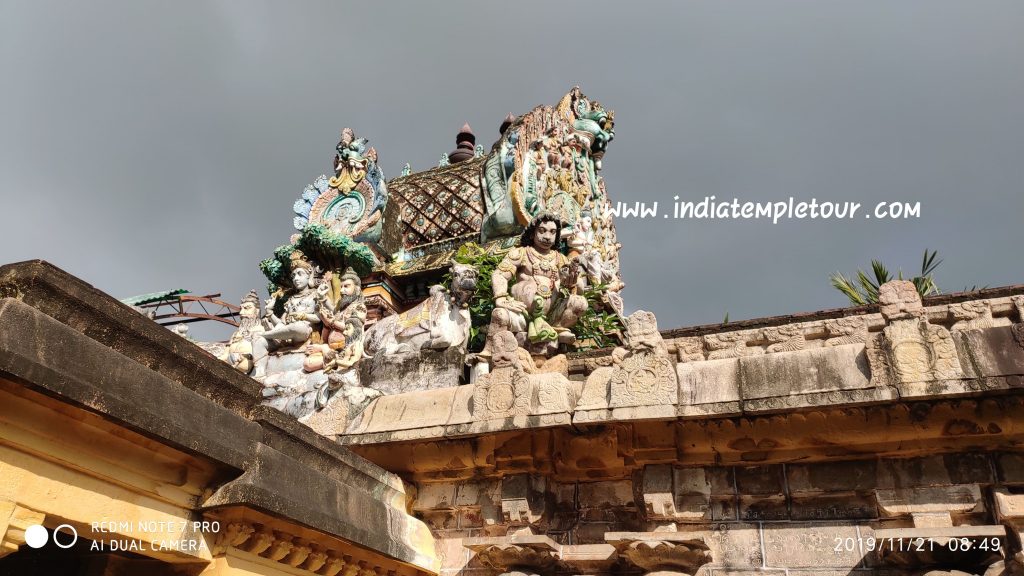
899 300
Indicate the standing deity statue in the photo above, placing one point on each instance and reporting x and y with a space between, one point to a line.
584 245
338 314
300 316
542 305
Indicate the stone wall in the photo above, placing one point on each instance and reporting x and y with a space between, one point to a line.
881 442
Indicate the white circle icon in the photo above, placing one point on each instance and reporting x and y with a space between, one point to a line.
36 536
70 532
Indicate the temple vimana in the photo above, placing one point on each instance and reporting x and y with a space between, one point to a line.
442 379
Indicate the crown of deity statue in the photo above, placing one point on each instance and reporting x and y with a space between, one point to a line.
299 260
252 297
350 274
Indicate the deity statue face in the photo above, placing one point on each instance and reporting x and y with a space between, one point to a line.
248 309
544 236
585 223
300 278
348 287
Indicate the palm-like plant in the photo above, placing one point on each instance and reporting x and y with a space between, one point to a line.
865 289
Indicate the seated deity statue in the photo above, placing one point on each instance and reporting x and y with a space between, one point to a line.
347 314
542 305
300 316
239 352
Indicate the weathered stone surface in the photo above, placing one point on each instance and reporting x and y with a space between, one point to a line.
688 348
992 351
899 300
88 373
84 309
423 409
905 501
523 499
709 387
676 494
414 370
732 344
785 338
732 545
832 476
810 371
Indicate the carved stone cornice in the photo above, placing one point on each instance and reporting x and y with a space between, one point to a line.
530 554
660 552
14 520
294 551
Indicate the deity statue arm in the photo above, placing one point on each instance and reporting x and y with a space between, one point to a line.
504 272
269 318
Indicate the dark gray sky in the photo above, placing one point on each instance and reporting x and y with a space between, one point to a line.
154 145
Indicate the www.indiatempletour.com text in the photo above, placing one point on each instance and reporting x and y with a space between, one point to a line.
790 209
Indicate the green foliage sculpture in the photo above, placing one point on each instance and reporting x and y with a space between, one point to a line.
329 250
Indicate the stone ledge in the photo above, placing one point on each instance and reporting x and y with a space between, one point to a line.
73 367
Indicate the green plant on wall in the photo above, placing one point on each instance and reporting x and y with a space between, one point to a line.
865 289
597 327
482 303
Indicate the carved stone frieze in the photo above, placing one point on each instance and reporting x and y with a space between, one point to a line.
644 373
539 558
785 338
920 352
291 550
1018 327
972 315
848 330
910 349
652 552
689 348
730 345
505 391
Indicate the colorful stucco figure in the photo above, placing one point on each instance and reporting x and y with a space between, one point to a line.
535 290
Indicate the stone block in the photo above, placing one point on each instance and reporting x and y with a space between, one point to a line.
810 371
811 545
523 499
763 509
833 507
453 555
721 481
913 472
759 480
966 468
614 494
960 498
1010 468
677 494
435 496
832 476
993 351
733 545
421 409
705 384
